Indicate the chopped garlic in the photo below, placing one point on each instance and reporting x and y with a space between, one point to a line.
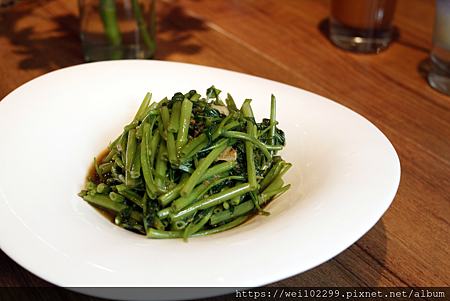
222 109
229 155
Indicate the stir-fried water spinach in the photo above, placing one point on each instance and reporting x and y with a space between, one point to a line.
190 166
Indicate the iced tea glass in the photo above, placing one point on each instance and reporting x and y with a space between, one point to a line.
363 26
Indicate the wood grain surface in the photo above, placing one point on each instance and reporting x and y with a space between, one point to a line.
286 41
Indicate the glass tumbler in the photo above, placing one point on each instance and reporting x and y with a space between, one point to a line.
117 29
439 74
362 26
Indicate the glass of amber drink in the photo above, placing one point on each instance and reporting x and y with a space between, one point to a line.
362 26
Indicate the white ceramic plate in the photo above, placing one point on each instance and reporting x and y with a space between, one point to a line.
345 175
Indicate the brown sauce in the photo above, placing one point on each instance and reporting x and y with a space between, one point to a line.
92 172
93 177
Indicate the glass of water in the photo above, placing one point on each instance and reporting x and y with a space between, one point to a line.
439 75
117 29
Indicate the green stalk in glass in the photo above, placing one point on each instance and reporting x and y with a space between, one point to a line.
112 31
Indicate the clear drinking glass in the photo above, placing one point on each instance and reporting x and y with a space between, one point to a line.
363 26
439 75
117 29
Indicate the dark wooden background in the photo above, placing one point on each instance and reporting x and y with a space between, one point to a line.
286 41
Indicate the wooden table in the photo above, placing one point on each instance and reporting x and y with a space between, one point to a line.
286 41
